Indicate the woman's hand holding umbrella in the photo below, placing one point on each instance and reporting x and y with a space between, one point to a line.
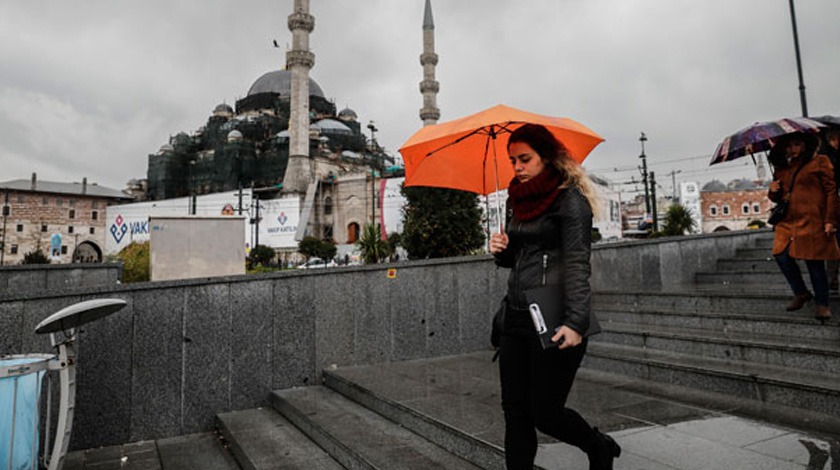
498 242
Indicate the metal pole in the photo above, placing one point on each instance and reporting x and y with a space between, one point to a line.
5 215
643 139
798 61
653 202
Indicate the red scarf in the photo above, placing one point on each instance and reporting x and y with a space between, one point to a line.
531 198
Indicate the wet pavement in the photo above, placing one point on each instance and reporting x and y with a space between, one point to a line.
655 432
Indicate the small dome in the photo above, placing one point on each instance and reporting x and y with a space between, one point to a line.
234 136
223 110
347 114
332 126
284 134
166 148
280 82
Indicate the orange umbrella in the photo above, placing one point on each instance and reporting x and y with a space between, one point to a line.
454 154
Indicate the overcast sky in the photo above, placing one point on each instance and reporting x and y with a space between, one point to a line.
90 88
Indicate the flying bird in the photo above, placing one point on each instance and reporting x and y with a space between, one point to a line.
275 43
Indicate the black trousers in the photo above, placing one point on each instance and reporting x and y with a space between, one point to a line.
535 385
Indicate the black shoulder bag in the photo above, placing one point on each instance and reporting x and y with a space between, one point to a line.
780 210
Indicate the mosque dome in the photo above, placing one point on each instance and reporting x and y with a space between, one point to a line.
234 136
223 110
166 148
347 114
280 82
714 186
331 126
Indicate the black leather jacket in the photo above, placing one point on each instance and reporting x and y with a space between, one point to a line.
552 249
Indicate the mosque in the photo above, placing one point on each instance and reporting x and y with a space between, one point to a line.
285 139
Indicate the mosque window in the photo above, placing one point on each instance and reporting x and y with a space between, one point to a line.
94 215
19 227
745 208
13 249
725 209
69 229
44 227
21 198
327 205
63 249
71 214
756 207
92 230
713 210
328 232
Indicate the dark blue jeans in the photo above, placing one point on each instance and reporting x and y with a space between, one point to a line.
816 269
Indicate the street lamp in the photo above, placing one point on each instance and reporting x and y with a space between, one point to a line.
6 211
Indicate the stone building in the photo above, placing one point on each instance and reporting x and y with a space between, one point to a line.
734 205
66 221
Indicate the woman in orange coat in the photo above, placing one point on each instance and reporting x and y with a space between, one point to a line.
807 232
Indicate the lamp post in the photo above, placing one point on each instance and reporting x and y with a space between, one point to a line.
798 61
374 148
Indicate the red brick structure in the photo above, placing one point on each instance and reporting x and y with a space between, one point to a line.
64 220
733 206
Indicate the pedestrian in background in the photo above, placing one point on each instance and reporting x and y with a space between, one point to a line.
808 230
548 242
830 147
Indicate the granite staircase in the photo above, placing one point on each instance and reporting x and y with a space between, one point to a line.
727 338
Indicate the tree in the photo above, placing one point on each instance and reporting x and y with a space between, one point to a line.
261 255
35 256
311 246
374 249
678 221
440 222
135 258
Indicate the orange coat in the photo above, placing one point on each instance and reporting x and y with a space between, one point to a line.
813 204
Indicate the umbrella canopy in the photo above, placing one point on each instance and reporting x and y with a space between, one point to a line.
828 120
462 154
760 137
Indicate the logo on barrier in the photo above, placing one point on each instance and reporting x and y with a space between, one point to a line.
282 218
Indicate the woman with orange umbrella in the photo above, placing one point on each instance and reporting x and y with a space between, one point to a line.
547 243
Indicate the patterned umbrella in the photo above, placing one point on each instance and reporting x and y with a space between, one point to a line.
828 120
760 137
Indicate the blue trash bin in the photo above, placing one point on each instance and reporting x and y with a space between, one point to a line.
20 392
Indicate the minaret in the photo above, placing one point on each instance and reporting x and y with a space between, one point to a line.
428 59
298 61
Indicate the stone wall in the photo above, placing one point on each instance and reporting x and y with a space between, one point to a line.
183 351
41 279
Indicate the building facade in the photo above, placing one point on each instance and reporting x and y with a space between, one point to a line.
65 221
733 206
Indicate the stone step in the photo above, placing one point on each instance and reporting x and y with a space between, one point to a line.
357 437
705 299
786 351
453 431
767 265
797 325
261 439
811 391
774 278
754 253
764 242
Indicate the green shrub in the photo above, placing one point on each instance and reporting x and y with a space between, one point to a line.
135 258
35 256
261 255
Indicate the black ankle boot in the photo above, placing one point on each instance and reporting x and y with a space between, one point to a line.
606 449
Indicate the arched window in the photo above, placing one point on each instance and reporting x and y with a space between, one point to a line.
745 208
352 232
725 210
327 205
756 207
713 210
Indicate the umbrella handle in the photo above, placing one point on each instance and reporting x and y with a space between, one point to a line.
496 171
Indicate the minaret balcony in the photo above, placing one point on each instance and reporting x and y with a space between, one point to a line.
304 58
430 114
303 21
428 58
429 86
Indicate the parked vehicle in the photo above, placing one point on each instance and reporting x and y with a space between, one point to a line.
313 262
